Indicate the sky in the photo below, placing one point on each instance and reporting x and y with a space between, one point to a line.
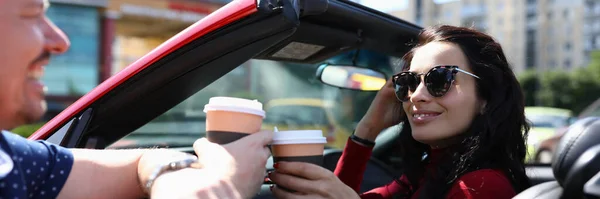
391 5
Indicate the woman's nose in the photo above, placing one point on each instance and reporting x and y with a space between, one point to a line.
421 94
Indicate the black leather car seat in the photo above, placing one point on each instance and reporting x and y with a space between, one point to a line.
573 161
584 168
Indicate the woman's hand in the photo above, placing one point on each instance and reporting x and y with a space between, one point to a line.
385 111
309 181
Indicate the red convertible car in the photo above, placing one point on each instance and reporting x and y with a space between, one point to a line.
261 49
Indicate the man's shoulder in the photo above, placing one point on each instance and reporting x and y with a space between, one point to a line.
10 135
39 168
19 147
11 141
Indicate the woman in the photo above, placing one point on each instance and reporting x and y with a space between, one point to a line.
463 132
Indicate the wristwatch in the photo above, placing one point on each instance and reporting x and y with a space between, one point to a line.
188 161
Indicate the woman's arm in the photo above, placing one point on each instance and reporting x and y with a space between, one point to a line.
312 181
386 191
352 164
385 111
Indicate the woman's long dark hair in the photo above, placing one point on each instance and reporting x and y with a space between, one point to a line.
495 138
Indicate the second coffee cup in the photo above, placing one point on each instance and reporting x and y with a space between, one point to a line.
299 146
229 119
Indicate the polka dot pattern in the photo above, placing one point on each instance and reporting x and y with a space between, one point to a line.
40 168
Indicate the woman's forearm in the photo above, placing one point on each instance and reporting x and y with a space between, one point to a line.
366 131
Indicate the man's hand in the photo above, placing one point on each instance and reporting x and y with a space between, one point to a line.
235 170
193 183
240 163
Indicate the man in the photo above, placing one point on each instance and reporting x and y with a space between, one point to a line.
32 169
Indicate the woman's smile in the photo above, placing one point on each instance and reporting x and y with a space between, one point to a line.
422 117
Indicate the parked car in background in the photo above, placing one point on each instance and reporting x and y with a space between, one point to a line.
545 121
593 110
546 148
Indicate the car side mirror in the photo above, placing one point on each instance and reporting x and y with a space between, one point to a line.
351 77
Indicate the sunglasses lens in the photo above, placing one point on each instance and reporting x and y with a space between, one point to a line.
438 81
404 83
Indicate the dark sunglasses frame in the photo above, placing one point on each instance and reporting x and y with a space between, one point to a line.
447 72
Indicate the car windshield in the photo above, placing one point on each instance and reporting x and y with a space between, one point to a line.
291 95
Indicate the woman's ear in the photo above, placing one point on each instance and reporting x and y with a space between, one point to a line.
482 107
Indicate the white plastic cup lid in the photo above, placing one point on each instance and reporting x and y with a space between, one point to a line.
299 137
235 105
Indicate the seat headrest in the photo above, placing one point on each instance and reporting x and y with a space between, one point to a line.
586 166
581 136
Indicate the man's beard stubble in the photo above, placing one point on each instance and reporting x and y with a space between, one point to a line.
29 112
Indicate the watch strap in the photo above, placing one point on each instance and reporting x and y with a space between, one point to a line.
189 161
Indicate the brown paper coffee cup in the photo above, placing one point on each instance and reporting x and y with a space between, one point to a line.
311 153
298 146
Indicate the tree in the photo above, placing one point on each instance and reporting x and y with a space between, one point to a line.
586 87
556 90
28 129
529 83
573 90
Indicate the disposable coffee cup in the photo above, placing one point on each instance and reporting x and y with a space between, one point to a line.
229 119
298 146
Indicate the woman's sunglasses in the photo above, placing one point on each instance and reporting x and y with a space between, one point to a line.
438 81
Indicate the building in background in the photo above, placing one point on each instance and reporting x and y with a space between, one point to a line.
559 36
71 75
535 34
108 35
142 25
591 27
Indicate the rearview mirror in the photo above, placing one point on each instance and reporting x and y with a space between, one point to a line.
351 77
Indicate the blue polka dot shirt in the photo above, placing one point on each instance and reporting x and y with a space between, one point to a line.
40 169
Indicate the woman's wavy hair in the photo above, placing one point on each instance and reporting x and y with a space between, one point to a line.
496 136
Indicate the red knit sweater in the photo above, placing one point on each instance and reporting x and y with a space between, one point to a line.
484 183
